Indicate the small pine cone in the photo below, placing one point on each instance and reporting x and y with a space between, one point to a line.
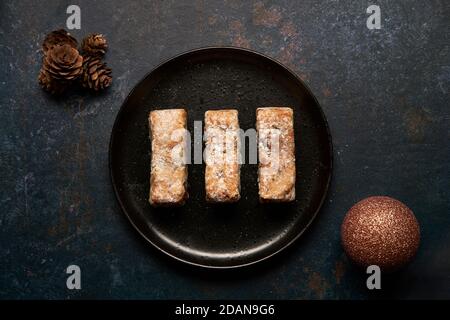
63 62
51 85
96 75
58 37
94 44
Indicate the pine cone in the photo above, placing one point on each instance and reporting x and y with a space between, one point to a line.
63 62
96 75
58 37
51 85
94 44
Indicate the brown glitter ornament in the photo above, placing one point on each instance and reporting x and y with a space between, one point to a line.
380 231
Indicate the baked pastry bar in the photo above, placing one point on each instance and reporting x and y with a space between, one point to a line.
222 154
276 154
168 176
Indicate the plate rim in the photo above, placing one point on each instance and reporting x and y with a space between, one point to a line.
213 48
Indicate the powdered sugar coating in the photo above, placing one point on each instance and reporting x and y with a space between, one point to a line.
222 172
168 177
276 153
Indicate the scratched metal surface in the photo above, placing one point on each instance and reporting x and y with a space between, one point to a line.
385 93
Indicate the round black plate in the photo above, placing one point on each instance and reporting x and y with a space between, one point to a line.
220 236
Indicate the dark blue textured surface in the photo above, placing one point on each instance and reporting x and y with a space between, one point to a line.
385 93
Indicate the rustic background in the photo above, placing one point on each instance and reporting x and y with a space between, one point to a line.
385 94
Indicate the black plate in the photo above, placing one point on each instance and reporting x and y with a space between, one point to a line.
220 236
